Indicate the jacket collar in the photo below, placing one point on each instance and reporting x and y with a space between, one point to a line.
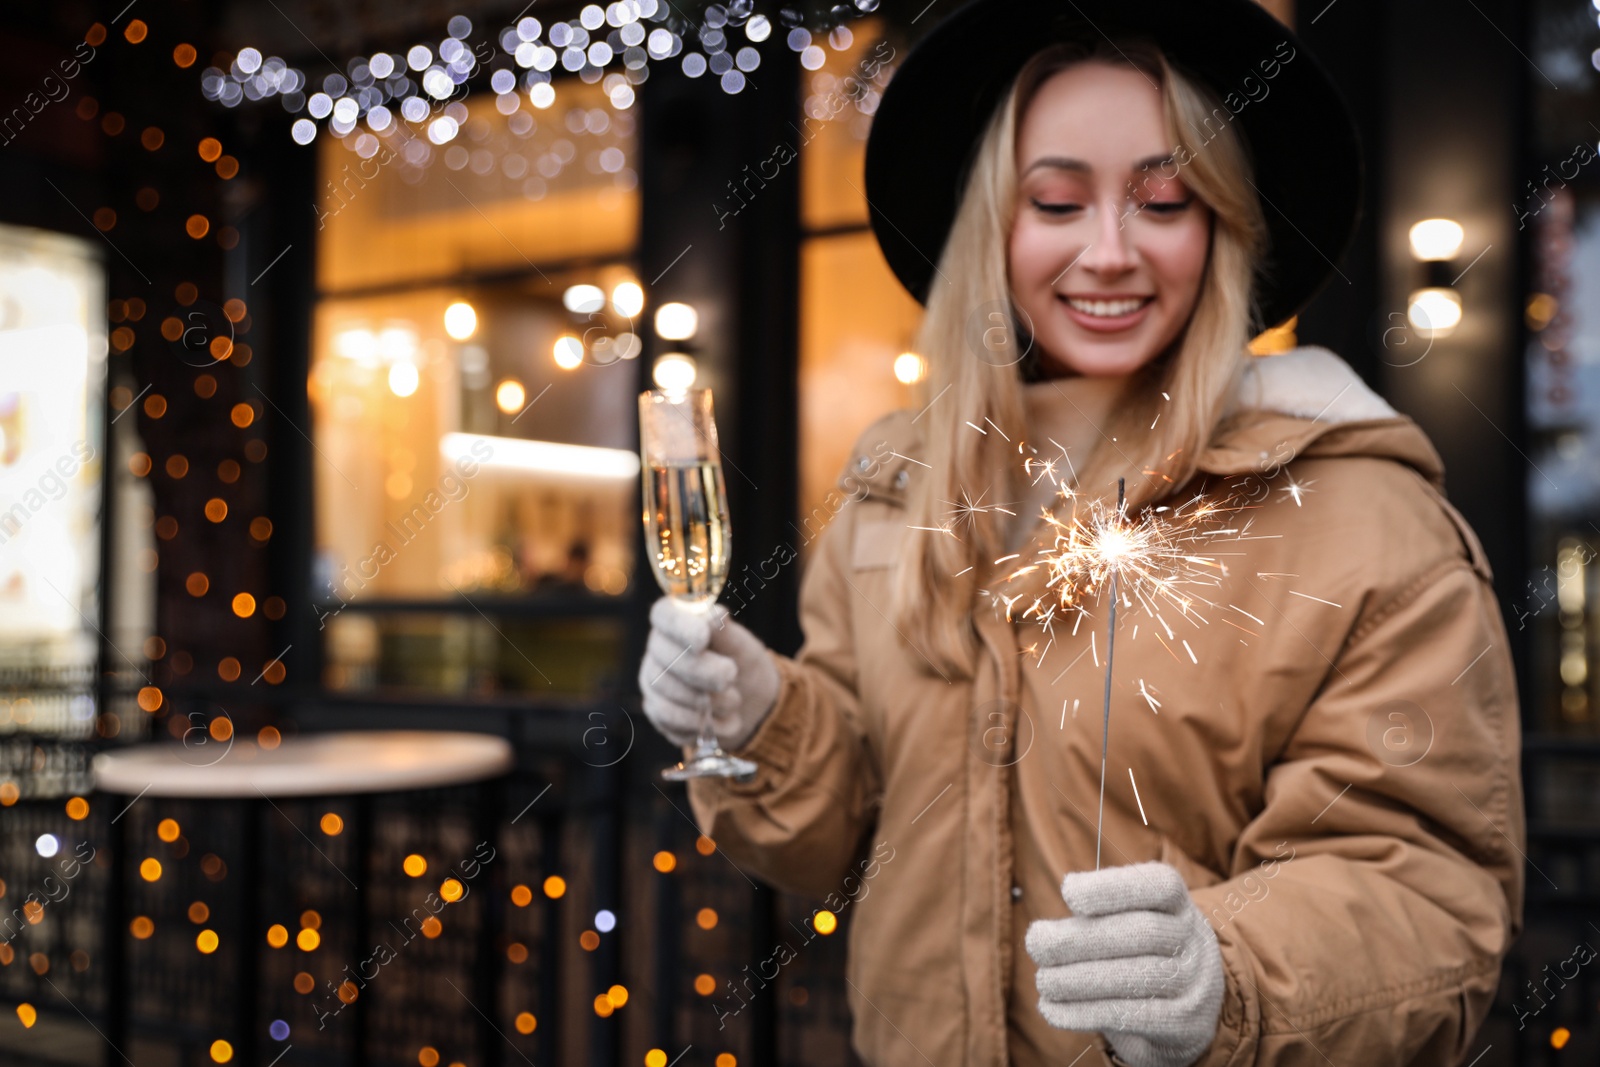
1304 403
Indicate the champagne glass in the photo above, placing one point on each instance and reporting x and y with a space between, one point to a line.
687 528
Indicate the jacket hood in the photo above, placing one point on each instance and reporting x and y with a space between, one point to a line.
1308 402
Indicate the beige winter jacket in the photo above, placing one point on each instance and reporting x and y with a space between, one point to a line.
1334 771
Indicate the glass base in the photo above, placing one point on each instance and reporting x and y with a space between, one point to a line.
713 764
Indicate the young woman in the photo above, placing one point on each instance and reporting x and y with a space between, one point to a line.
1312 813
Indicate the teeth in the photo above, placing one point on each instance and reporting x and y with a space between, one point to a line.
1106 308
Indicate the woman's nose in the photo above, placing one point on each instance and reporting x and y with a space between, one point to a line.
1112 250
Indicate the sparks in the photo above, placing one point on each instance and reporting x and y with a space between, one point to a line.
1295 491
1155 557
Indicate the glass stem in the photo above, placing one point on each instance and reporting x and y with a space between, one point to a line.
706 743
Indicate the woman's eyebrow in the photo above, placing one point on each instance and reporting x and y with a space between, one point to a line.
1082 167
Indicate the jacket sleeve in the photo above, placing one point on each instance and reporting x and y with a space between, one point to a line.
1375 895
799 823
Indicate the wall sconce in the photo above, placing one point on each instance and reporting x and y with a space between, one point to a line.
1435 309
677 322
675 372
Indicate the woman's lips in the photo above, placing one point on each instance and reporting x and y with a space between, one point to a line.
1106 323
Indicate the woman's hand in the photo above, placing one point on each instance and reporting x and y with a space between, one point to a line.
1137 961
694 659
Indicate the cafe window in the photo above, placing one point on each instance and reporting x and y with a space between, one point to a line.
856 322
472 386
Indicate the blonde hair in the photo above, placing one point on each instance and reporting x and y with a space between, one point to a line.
936 579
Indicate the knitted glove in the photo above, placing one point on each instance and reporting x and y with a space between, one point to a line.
694 659
1137 961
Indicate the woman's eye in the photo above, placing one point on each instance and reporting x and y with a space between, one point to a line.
1168 207
1054 209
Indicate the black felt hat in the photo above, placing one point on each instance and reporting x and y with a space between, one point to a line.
1298 128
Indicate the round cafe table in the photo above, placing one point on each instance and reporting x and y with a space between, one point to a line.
332 764
312 765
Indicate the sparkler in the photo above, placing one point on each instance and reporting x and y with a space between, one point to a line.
1147 562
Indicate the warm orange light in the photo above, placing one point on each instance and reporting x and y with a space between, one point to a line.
149 698
509 396
665 862
332 824
706 918
1559 1037
150 869
310 920
221 1051
555 886
517 952
348 991
825 922
304 983
184 56
135 33
221 728
450 890
589 940
269 737
199 912
308 940
197 584
77 809
261 528
414 865
242 415
428 1056
210 149
244 605
206 941
704 845
432 927
216 509
197 226
277 935
155 405
168 830
526 1023
228 670
28 1015
655 1058
521 896
705 985
141 928
603 1006
618 995
727 1059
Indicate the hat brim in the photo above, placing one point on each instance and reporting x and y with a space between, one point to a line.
1299 130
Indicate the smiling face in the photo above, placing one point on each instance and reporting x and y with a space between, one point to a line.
1106 254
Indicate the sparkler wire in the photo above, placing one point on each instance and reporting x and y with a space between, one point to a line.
1105 722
